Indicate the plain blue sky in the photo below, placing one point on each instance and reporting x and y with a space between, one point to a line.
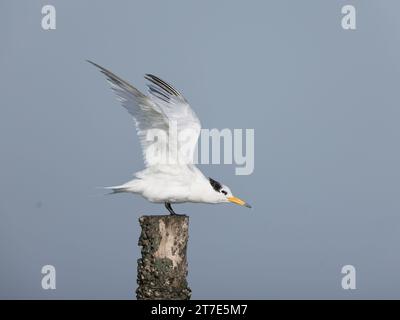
324 103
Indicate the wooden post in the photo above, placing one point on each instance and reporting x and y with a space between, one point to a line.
162 270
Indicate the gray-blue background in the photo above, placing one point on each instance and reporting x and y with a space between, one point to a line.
324 103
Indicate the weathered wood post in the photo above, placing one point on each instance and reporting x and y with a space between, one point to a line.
162 269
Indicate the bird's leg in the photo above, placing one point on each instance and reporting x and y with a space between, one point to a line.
169 208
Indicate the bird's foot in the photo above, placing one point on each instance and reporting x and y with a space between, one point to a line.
176 214
171 211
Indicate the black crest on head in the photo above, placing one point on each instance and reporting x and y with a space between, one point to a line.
215 184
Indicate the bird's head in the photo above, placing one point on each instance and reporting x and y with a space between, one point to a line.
224 194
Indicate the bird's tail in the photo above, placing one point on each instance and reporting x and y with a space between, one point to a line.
116 189
131 186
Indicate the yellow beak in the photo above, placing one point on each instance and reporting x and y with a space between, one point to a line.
239 201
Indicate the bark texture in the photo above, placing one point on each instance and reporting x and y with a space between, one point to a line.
162 269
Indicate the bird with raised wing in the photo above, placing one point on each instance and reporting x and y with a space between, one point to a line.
168 131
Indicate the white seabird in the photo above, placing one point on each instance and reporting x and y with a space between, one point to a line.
168 130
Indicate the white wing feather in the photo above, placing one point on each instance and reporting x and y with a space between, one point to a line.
164 114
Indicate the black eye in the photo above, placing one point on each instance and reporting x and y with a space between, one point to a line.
224 192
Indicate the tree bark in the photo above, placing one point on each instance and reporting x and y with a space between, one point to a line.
162 269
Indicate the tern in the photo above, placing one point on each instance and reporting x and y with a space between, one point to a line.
168 131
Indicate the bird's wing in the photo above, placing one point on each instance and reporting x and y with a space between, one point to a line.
147 115
153 114
184 126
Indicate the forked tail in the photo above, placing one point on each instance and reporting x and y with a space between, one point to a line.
116 189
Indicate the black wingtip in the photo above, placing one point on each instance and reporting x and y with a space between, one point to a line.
162 84
149 77
94 63
103 70
152 78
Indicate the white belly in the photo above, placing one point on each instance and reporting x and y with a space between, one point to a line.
175 184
